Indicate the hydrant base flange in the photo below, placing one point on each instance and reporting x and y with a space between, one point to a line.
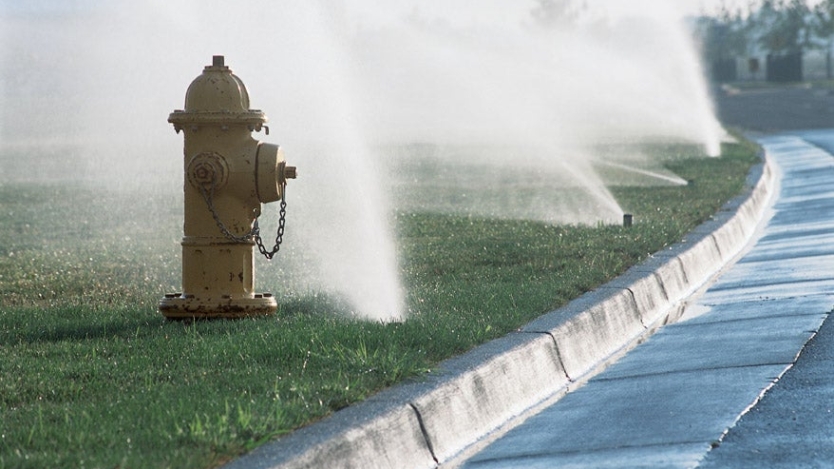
176 306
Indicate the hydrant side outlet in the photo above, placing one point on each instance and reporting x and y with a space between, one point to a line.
270 178
228 175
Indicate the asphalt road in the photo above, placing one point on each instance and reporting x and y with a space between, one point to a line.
776 109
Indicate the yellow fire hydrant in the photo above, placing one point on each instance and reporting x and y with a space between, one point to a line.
228 175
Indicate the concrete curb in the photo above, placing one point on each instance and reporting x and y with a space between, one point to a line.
422 424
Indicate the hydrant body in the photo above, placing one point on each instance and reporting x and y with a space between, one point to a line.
228 175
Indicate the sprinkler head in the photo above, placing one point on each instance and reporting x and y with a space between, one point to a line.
627 219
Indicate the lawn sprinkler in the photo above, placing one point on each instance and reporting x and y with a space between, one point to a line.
228 175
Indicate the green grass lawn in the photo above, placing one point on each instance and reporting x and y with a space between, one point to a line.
93 376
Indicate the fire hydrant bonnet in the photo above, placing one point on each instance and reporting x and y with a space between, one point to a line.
217 95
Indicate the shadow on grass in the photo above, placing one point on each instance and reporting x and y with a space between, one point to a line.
33 331
27 325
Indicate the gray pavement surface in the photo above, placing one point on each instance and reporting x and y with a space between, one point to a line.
692 393
776 109
793 424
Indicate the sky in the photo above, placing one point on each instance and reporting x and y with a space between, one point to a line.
488 8
471 12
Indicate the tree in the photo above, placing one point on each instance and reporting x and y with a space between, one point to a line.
783 29
824 30
724 36
785 26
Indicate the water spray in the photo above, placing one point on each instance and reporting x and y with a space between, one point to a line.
228 175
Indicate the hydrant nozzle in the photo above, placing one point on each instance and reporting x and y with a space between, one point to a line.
228 175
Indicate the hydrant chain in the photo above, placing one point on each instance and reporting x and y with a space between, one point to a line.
208 196
255 232
279 237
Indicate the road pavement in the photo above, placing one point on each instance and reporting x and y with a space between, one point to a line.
776 109
793 424
746 380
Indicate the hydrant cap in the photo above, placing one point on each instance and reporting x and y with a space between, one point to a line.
217 96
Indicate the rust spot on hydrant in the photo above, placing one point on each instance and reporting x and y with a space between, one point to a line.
228 175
